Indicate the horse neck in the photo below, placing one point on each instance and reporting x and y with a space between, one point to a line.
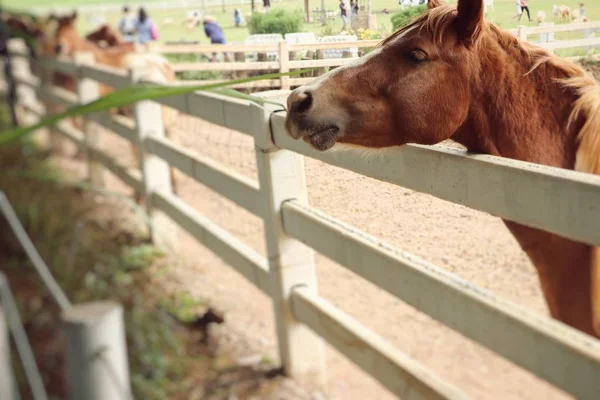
520 113
101 56
79 44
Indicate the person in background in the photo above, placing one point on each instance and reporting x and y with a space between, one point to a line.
145 28
519 10
354 7
581 10
344 14
267 5
214 32
237 17
525 7
127 26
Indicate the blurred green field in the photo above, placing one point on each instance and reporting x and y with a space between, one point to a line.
171 27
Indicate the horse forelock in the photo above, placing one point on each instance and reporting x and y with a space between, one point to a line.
436 21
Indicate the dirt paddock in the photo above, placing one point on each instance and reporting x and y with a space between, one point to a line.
471 244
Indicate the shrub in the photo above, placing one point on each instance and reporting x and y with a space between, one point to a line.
403 17
277 21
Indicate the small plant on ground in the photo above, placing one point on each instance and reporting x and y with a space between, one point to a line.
182 306
327 30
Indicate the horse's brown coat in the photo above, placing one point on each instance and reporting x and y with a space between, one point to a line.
105 35
451 74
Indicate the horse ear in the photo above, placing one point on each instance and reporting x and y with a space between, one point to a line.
434 3
469 20
74 15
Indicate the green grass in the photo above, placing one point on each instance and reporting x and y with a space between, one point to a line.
504 11
93 254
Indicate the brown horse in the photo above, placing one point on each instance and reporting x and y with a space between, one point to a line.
68 42
105 36
21 25
34 32
450 74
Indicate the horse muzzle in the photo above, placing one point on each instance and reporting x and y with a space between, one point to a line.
304 121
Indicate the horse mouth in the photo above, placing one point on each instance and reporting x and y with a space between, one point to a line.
324 139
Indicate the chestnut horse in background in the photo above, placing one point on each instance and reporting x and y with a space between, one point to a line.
450 74
68 42
35 32
105 36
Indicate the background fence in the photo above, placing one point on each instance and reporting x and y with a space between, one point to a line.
560 201
274 54
149 5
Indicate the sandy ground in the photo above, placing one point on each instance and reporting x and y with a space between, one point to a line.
471 244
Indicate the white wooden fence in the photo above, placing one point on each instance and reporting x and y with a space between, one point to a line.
557 200
546 35
92 8
335 53
285 60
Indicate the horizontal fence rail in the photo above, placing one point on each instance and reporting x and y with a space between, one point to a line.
218 109
570 44
553 352
536 30
556 200
236 187
242 258
131 178
122 126
109 76
237 48
399 373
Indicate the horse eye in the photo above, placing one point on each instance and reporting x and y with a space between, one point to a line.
418 56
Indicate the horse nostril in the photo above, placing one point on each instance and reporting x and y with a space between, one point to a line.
302 103
58 49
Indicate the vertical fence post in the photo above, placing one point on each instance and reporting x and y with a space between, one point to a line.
20 68
155 171
7 389
96 352
57 141
10 80
291 263
89 90
522 33
284 60
588 34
